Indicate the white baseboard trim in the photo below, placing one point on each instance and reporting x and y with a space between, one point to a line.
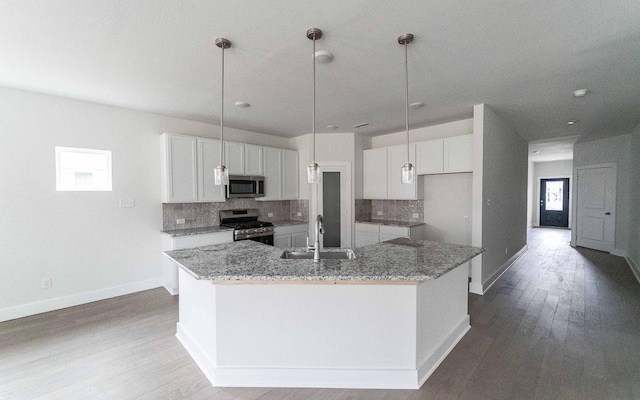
619 253
76 299
322 377
433 360
485 286
172 291
634 267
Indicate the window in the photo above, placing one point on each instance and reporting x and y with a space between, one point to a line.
83 169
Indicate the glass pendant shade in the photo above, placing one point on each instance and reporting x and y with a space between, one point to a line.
313 173
221 176
408 174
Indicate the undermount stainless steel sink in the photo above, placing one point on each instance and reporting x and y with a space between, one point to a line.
324 255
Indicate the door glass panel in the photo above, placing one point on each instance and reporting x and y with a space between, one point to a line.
554 196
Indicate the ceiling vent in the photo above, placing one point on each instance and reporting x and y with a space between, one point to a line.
358 126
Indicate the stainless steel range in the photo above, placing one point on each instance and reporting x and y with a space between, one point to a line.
246 226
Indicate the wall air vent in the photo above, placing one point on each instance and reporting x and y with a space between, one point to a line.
362 125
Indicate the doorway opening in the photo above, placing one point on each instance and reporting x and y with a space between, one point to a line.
554 202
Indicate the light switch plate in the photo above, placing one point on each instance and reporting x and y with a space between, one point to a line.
180 221
379 212
415 215
269 215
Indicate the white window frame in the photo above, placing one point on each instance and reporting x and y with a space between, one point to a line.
62 187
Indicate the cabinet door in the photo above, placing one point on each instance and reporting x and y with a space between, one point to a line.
366 239
375 173
299 239
272 173
253 160
208 160
234 158
397 157
458 154
282 241
290 175
181 169
430 157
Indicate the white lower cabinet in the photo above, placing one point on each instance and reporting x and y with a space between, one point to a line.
170 269
290 236
367 234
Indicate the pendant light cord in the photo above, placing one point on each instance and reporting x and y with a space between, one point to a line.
222 113
406 108
313 126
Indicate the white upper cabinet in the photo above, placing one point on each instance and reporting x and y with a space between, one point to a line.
375 173
243 159
253 160
208 160
281 174
272 174
382 174
290 175
430 157
179 169
234 158
187 169
458 153
443 156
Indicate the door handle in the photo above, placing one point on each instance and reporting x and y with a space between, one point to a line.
607 213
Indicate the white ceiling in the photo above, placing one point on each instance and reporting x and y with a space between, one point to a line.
523 59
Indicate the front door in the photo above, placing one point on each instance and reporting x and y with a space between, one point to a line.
596 208
554 202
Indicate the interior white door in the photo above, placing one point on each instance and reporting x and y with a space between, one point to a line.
596 208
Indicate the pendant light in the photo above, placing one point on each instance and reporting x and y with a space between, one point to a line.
313 171
408 170
221 172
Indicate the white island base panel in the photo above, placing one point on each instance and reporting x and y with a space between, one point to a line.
308 334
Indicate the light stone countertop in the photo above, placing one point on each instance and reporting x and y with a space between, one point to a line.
394 260
196 231
402 224
277 224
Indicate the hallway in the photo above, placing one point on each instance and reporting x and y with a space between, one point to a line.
560 323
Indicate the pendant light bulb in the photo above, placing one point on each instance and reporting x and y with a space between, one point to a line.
408 173
221 173
313 170
313 173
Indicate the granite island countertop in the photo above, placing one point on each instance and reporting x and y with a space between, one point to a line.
394 260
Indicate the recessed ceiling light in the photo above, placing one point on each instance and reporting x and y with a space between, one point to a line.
535 152
573 121
332 127
416 105
362 125
323 56
241 104
580 92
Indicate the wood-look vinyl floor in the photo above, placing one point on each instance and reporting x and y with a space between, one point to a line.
561 323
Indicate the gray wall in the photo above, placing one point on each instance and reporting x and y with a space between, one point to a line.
504 189
634 237
616 149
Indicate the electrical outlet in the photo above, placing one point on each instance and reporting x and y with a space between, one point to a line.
379 212
180 221
415 215
127 203
299 214
506 250
269 215
46 283
488 201
466 219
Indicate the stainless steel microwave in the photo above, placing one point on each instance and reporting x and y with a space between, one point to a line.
245 186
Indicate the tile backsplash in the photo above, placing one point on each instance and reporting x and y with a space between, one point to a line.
391 210
198 215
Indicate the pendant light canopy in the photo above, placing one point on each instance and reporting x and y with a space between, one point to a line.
313 171
221 172
408 172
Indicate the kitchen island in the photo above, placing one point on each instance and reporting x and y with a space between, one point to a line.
385 319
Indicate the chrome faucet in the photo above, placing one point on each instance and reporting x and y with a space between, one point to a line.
316 245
